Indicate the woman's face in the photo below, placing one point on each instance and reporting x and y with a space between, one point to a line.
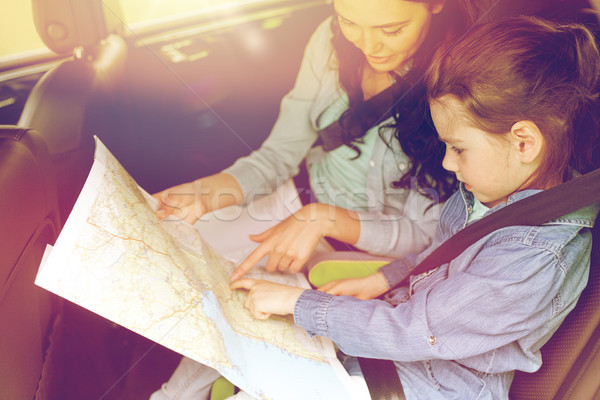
388 32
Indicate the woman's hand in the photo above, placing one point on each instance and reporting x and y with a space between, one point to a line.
365 288
266 298
189 201
290 243
182 201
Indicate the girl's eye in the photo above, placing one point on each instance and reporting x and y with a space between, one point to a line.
456 149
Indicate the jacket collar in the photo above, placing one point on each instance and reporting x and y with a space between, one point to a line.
583 217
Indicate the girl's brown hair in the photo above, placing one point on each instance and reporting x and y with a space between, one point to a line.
526 68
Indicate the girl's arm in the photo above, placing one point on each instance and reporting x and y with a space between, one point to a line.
266 298
509 292
504 295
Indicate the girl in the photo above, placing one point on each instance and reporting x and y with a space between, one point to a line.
516 103
380 189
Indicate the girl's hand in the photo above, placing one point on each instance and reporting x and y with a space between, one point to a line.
266 298
290 243
365 288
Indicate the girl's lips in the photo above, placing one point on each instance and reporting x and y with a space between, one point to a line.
467 186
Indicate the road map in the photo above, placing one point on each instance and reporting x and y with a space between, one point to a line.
163 280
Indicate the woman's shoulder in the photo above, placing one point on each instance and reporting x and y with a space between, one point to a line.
323 30
320 41
319 53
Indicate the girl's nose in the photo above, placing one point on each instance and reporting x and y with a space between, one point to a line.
448 162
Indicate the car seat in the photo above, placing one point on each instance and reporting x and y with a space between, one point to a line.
29 221
79 97
571 358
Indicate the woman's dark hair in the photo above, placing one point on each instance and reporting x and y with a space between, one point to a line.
529 69
414 129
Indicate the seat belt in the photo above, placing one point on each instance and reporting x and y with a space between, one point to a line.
381 375
369 113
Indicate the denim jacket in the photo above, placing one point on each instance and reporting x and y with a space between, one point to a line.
460 330
398 221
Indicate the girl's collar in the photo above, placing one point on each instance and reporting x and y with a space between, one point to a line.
583 217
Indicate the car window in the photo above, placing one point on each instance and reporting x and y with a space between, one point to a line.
153 11
16 20
16 23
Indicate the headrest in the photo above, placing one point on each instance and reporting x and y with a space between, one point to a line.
64 25
595 4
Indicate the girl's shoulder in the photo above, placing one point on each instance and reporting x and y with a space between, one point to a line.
554 235
565 240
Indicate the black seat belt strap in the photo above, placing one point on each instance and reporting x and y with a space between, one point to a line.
533 210
382 379
370 113
381 375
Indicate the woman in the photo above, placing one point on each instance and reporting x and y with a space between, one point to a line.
378 191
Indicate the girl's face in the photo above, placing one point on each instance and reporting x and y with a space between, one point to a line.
487 164
388 32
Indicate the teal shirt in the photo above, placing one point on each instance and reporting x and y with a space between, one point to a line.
477 210
338 178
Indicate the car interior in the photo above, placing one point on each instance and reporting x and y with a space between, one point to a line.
173 101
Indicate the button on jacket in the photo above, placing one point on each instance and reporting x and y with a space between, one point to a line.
459 331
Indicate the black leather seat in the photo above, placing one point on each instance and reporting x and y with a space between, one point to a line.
91 358
29 221
80 97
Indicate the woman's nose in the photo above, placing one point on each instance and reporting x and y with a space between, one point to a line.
369 42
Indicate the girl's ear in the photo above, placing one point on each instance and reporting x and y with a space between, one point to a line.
528 140
438 6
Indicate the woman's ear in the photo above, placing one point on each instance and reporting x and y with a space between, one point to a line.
528 141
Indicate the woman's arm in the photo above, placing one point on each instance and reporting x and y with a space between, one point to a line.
189 201
293 134
290 243
278 158
398 221
403 225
